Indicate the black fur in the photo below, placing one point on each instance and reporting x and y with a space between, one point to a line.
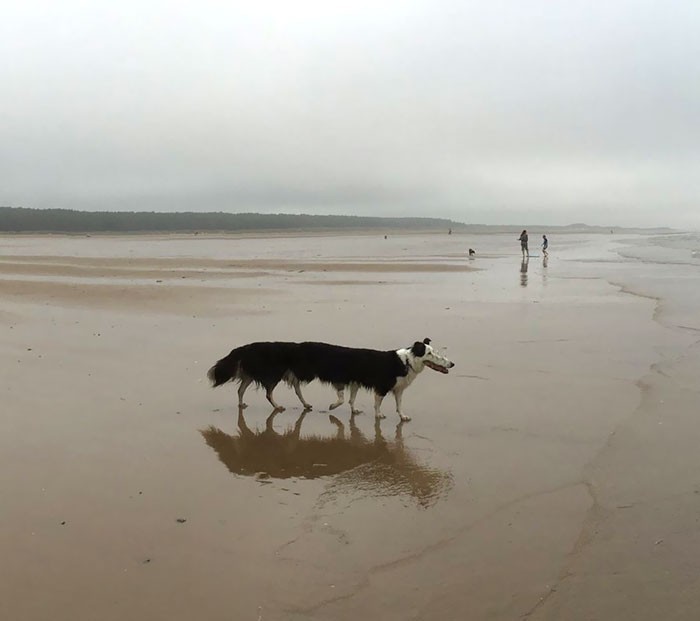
265 363
341 366
268 363
418 349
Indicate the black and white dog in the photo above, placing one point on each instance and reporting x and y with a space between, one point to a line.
267 364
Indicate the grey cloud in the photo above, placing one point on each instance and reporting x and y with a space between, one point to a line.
484 111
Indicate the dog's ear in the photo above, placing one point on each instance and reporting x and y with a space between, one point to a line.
426 341
418 349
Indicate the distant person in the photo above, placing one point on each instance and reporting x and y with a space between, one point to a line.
472 252
449 232
545 245
523 243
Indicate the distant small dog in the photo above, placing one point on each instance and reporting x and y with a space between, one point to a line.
472 252
267 364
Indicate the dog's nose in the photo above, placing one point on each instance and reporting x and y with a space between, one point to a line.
452 364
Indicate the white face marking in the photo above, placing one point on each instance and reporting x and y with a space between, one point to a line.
432 357
416 363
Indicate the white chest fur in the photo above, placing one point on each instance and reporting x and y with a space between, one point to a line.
407 357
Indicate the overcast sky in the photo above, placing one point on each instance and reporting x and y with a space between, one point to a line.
492 111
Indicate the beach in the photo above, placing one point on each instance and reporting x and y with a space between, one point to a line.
552 474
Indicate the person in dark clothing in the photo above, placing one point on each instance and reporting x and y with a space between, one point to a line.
523 243
545 245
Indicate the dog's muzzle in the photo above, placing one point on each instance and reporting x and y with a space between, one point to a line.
437 367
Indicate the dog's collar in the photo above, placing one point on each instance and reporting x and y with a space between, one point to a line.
405 357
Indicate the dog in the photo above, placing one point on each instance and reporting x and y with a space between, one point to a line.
472 252
268 363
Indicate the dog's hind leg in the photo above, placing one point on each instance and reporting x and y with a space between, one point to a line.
353 393
377 405
271 399
245 382
397 396
297 389
340 388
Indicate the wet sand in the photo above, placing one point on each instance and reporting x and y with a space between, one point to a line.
551 475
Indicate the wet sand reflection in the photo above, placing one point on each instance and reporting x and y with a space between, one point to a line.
374 466
523 272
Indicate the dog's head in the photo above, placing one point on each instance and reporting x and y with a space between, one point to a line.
424 355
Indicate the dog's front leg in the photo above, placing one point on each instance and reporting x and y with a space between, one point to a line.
297 389
270 398
397 396
378 404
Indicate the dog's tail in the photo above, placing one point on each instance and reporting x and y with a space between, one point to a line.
225 369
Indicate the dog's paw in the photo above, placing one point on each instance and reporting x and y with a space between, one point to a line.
308 407
354 412
243 406
280 408
332 406
380 416
404 418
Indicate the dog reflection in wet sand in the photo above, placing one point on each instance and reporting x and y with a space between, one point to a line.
377 466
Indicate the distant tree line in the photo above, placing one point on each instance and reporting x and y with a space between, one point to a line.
22 219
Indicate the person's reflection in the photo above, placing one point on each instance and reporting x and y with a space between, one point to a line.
545 260
523 272
376 465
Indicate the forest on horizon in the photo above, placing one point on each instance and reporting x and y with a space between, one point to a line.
22 219
28 220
